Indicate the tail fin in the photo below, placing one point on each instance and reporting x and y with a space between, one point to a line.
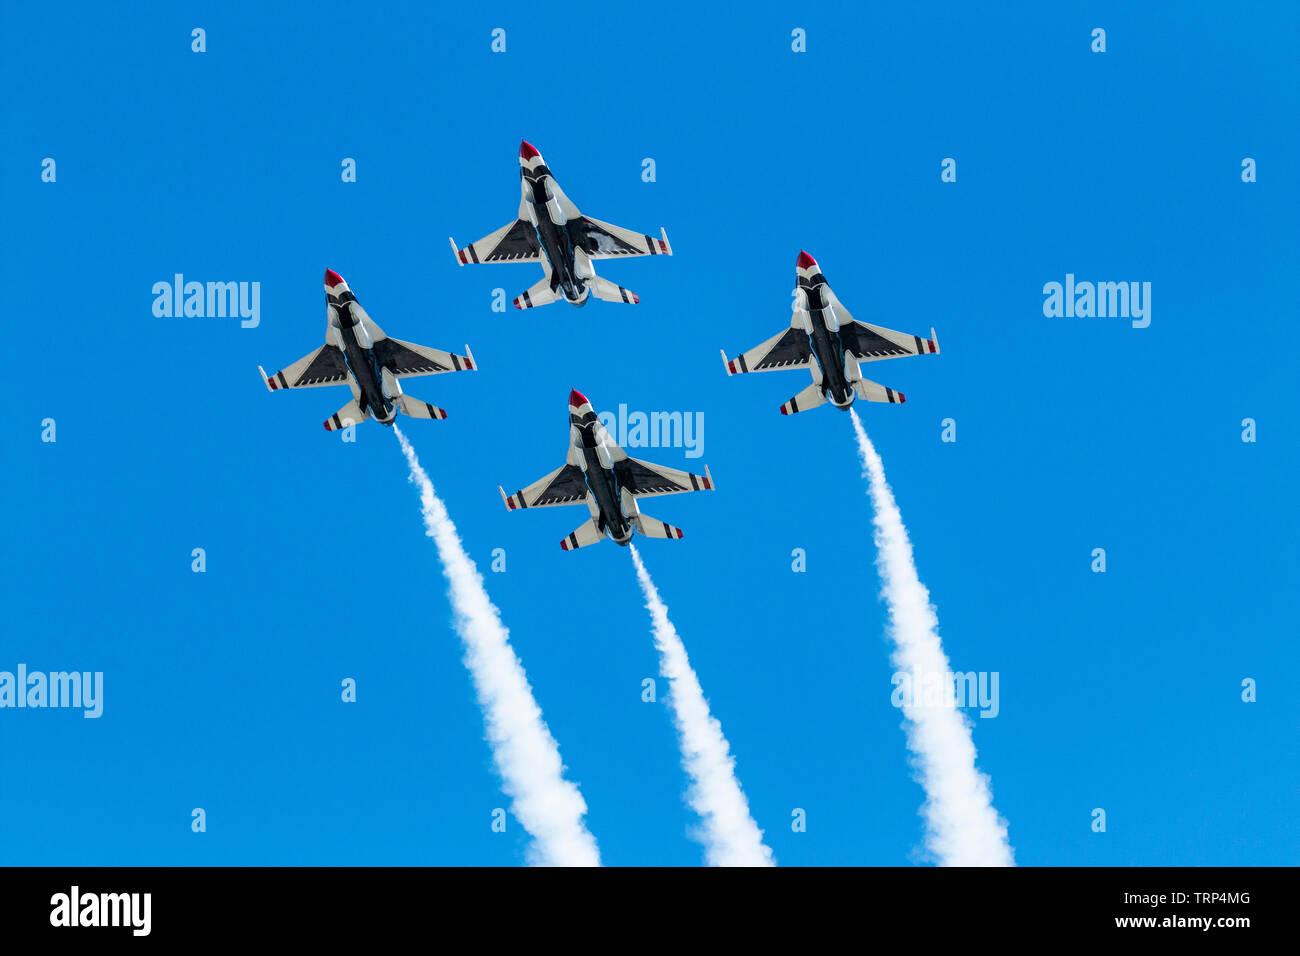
654 528
417 409
873 392
539 294
586 533
810 397
611 291
349 414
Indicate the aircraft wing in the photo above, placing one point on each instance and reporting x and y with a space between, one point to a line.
325 366
869 343
787 349
600 240
564 486
645 480
513 242
407 360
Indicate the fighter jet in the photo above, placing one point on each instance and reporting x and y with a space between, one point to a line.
550 230
358 353
600 474
825 339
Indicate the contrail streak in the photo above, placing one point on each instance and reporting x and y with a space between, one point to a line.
550 808
730 836
962 827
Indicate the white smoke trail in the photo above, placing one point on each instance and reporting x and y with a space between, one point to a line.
963 828
550 808
731 837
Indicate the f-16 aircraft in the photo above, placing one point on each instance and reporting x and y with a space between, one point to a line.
552 231
825 339
358 353
600 474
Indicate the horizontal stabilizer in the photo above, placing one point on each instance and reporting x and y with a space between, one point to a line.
418 409
349 414
611 291
810 397
654 528
539 294
872 392
586 533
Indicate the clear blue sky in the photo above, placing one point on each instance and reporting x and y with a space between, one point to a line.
1120 690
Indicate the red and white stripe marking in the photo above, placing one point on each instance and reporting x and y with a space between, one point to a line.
529 157
806 265
458 252
274 382
577 402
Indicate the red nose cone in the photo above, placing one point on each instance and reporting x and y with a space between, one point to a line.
526 150
806 261
332 278
577 399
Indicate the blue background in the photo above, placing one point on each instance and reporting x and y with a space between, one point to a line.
1118 690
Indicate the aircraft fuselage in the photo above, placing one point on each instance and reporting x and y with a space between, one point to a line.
551 225
829 355
352 337
598 472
